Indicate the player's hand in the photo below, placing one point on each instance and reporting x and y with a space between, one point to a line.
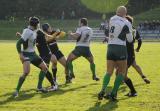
69 33
105 40
58 30
21 57
18 34
137 50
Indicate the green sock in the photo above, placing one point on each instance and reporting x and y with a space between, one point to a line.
70 67
106 80
20 82
117 83
41 78
92 67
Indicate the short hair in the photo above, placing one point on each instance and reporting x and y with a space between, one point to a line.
84 21
129 18
34 21
45 27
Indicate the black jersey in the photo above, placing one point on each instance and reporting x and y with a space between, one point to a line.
41 44
130 46
53 44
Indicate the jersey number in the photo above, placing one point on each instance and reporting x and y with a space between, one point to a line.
112 29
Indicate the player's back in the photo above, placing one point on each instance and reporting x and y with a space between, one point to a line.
85 33
118 29
29 36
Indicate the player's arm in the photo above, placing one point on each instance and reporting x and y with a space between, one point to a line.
129 35
24 37
74 35
139 39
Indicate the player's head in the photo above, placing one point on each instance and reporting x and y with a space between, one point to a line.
46 28
121 11
34 22
129 18
83 22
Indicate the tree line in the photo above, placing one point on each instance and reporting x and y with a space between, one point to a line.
57 9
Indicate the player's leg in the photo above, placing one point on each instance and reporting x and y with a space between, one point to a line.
106 79
121 65
130 85
139 70
38 62
26 70
49 76
63 62
92 67
54 66
70 59
127 80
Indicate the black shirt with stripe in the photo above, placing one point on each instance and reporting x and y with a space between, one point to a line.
41 44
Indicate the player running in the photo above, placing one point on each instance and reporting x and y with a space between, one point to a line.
55 50
131 61
28 55
83 36
119 30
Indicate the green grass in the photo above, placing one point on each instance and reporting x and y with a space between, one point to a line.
81 95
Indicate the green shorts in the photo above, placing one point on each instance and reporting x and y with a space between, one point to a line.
82 51
116 52
33 58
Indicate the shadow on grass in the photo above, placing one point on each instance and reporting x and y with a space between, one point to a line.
28 94
109 106
23 97
62 91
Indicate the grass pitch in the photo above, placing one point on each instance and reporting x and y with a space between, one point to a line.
81 95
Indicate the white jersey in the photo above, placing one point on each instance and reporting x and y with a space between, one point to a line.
120 29
29 36
85 33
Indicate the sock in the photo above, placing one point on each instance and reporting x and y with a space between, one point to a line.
49 78
41 78
92 67
70 67
117 83
54 71
20 82
106 80
130 85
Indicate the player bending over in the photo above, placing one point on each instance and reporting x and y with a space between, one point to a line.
55 49
83 36
119 30
28 55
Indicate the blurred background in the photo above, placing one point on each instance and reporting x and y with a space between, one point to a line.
64 14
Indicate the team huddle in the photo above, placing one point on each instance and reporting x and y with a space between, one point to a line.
120 53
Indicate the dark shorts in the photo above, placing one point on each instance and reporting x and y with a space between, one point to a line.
116 52
82 51
46 58
130 60
58 54
33 58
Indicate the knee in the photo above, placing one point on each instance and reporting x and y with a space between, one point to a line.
44 68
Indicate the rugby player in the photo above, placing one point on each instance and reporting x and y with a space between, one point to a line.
83 36
131 61
55 50
120 29
28 55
